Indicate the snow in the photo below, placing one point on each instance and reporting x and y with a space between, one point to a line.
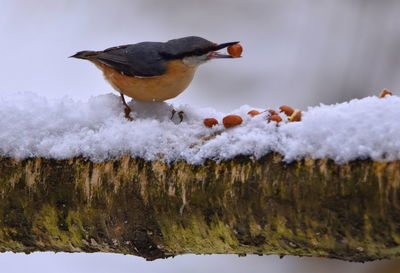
34 126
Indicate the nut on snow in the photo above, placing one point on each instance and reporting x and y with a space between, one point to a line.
275 118
287 110
231 121
271 112
385 93
210 122
253 113
235 50
296 116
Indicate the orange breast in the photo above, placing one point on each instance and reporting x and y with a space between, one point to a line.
159 88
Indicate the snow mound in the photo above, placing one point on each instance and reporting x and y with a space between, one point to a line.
33 126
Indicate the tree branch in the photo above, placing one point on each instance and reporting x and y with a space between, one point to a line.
156 210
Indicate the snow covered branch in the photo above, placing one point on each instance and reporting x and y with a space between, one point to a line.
33 126
78 177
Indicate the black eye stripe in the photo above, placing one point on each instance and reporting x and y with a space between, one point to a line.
193 52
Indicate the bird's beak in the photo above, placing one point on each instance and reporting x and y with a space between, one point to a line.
221 46
217 55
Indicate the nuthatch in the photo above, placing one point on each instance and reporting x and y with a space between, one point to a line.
153 71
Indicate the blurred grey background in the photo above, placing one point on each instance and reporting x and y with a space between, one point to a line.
299 53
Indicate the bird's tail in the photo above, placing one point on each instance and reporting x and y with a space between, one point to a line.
87 55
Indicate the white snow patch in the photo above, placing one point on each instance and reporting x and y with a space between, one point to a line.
33 126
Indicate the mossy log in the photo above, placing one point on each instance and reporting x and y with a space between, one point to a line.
155 210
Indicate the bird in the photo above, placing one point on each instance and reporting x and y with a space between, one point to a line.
154 71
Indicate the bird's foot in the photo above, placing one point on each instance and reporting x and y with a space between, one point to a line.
180 114
127 111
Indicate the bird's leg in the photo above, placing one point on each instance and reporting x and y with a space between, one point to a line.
173 112
180 114
127 109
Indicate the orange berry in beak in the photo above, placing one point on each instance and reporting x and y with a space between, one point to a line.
235 50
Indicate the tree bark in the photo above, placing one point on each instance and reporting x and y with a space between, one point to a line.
155 210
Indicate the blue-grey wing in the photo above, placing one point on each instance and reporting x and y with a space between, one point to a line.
142 59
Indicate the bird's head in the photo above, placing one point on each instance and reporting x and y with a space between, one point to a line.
195 50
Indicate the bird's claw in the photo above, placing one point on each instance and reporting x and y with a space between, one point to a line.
127 111
173 113
180 114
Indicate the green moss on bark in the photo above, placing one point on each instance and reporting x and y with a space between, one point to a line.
154 210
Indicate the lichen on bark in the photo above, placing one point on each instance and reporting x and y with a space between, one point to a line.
155 210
